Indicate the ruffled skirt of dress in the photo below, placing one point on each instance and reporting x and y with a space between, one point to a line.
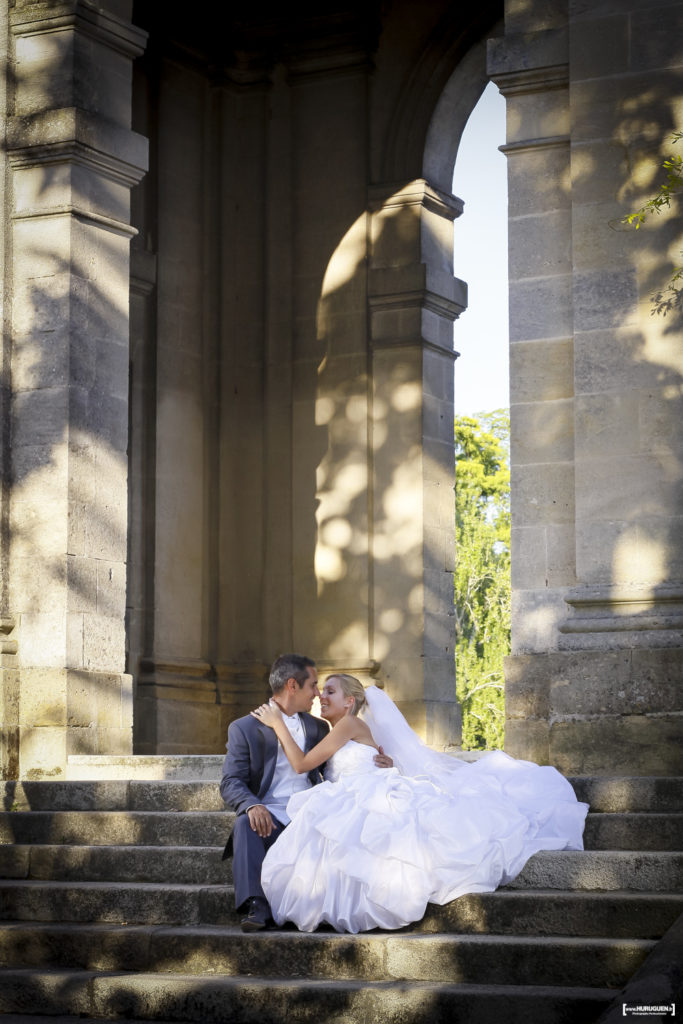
371 850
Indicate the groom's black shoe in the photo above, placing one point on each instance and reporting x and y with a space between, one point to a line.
258 915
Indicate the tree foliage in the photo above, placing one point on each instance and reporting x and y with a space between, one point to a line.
672 296
482 574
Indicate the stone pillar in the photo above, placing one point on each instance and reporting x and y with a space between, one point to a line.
413 300
73 160
595 391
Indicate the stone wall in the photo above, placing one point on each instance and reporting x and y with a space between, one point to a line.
70 162
594 92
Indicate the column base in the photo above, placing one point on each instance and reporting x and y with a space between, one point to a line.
611 712
65 711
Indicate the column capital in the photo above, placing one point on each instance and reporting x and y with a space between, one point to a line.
398 195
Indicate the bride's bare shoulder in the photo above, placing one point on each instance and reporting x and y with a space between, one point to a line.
362 733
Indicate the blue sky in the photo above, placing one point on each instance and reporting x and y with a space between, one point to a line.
480 258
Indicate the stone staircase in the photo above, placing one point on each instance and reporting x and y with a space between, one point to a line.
115 904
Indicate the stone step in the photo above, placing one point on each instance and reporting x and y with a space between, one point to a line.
183 767
216 1000
116 828
29 1018
651 871
186 767
511 912
620 794
658 871
473 959
551 912
184 865
607 831
634 832
111 796
604 794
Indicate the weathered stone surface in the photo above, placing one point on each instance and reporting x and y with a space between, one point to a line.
657 982
141 767
529 251
541 371
425 959
510 912
603 870
541 309
615 793
637 697
546 429
528 739
538 614
618 745
538 181
163 828
527 692
634 832
623 695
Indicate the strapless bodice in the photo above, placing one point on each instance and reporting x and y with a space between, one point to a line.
351 759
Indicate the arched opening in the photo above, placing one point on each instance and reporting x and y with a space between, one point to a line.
482 579
481 258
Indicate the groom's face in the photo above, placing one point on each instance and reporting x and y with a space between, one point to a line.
306 694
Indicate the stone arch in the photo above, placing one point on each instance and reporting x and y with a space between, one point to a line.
451 113
438 95
271 141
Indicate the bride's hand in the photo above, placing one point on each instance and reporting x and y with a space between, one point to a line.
268 714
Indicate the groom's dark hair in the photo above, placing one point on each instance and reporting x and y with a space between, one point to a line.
289 666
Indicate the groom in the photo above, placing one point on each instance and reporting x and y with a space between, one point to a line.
258 780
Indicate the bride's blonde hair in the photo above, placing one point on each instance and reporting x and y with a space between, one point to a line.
351 687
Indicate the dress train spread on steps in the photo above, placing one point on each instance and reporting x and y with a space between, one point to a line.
371 847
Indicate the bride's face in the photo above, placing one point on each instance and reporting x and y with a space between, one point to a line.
334 703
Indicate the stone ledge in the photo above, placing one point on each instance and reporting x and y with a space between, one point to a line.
101 25
71 133
189 767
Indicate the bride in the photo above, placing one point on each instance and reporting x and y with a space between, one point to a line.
369 848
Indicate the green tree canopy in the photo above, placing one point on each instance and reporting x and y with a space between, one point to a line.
482 574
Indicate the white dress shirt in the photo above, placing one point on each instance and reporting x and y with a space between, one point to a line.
285 780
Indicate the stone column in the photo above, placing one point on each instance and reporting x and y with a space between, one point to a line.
413 300
592 683
73 160
531 70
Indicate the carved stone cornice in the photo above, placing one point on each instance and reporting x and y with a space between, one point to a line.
418 192
528 63
77 136
635 615
93 21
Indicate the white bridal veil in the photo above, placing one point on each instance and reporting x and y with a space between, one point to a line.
391 732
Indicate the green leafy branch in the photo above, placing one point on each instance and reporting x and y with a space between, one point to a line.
672 296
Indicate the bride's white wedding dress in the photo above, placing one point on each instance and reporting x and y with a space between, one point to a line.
370 847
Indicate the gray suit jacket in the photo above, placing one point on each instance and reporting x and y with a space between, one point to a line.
250 762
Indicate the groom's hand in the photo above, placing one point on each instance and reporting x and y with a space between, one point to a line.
383 760
260 820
